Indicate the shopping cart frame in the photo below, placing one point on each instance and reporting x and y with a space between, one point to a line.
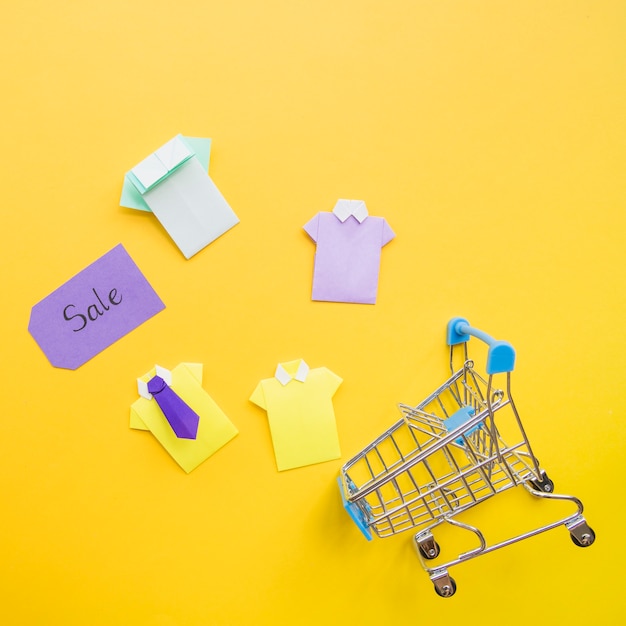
400 488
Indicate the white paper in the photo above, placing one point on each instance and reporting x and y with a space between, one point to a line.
173 153
191 208
149 170
345 208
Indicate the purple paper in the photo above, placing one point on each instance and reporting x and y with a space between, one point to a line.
101 304
181 417
347 258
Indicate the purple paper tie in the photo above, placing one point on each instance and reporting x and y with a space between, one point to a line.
181 417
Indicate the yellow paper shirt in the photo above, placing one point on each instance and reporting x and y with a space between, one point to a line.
214 427
301 416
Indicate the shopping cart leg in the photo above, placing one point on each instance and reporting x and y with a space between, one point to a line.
445 586
427 545
580 532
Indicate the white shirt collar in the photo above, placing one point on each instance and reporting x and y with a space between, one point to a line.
284 377
160 163
142 384
345 208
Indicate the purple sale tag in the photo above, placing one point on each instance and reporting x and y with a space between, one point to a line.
101 304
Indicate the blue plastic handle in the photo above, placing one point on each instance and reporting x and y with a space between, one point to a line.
358 517
501 355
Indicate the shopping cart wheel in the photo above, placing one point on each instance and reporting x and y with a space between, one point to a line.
545 484
583 535
427 546
445 585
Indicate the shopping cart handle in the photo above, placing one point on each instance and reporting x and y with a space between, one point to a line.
501 355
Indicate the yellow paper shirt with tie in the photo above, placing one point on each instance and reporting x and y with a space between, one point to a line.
301 416
214 427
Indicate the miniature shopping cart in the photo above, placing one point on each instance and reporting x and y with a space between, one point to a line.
448 454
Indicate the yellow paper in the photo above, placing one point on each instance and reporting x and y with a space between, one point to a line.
214 428
301 416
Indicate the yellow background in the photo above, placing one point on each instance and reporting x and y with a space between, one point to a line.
491 137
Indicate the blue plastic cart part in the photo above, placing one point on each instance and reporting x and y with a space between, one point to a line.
501 355
358 517
460 417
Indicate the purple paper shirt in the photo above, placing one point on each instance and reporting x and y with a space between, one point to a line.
347 258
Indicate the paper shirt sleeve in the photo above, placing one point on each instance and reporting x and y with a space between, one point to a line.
388 234
135 420
258 396
333 381
312 227
195 369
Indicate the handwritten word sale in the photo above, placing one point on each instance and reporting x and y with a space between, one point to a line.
93 311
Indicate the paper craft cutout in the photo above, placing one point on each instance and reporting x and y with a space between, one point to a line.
132 199
160 164
347 257
173 183
214 428
300 411
181 417
92 310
